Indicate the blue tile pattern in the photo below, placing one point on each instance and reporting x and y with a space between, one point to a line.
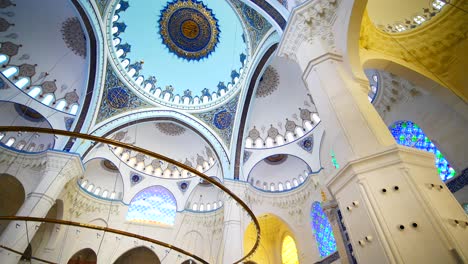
221 120
117 98
322 229
247 155
257 25
409 134
272 12
153 205
307 144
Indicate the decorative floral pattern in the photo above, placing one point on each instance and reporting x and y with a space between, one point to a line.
268 83
107 109
74 37
257 25
189 29
221 119
307 144
170 129
117 97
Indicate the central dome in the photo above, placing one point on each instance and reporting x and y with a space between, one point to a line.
189 29
188 54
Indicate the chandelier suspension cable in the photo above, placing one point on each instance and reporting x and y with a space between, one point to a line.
154 155
108 214
19 253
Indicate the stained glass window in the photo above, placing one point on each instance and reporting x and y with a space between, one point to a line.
409 134
153 205
289 251
322 229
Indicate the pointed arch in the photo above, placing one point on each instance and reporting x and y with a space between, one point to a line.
83 256
138 255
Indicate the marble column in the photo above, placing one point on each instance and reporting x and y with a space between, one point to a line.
395 206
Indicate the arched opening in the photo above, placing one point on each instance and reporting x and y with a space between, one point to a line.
289 251
12 196
270 250
153 205
322 230
140 255
84 256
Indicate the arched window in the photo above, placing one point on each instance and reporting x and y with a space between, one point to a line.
21 145
295 183
272 187
10 72
409 134
112 196
90 188
35 92
323 232
48 99
84 183
194 207
3 59
74 109
61 105
2 135
21 83
288 185
31 147
153 205
289 251
10 141
97 191
208 207
105 193
202 207
280 187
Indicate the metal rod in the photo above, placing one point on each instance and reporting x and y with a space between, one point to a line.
101 228
21 254
154 155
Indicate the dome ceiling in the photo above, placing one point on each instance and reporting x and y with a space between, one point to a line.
14 114
294 115
179 52
44 51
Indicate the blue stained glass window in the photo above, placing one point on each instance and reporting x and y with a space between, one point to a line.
153 205
409 134
322 229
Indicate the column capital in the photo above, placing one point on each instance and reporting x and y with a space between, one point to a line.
310 21
65 164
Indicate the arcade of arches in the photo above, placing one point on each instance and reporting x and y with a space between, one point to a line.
339 123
